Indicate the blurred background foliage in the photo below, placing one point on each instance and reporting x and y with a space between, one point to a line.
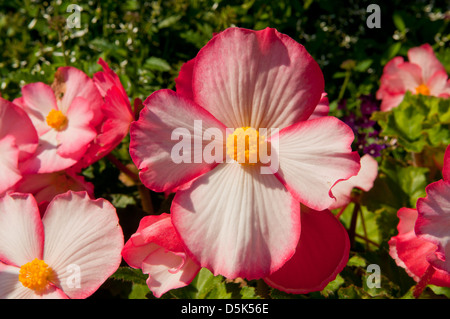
146 42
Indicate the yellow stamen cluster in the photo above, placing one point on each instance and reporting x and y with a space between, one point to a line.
35 274
423 89
57 120
244 145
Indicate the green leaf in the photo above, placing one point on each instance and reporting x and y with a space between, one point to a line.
332 287
440 290
413 181
139 291
130 274
204 286
362 66
399 23
157 64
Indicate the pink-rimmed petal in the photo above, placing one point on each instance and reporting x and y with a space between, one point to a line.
16 123
9 158
410 252
12 288
184 80
322 109
21 230
47 159
70 83
424 57
152 142
82 237
364 180
79 132
390 101
45 187
433 222
154 231
237 222
261 79
407 78
322 252
439 84
106 79
38 99
446 165
314 155
168 270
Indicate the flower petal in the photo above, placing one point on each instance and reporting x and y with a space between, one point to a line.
410 252
47 159
433 222
82 237
439 84
184 80
154 231
237 222
21 230
16 123
322 109
152 146
9 158
364 180
424 57
168 271
69 83
79 132
38 100
261 79
322 252
314 155
446 165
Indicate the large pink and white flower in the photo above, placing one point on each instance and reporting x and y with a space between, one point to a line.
64 115
233 219
422 74
157 249
422 245
68 253
18 142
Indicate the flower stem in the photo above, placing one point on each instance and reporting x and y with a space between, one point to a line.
352 229
122 167
144 192
424 281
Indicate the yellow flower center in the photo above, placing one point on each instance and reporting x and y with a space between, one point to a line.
35 274
244 145
423 89
57 120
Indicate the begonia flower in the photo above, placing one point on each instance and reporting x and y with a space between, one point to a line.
157 249
322 252
18 142
117 116
422 246
232 218
64 115
422 74
68 253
